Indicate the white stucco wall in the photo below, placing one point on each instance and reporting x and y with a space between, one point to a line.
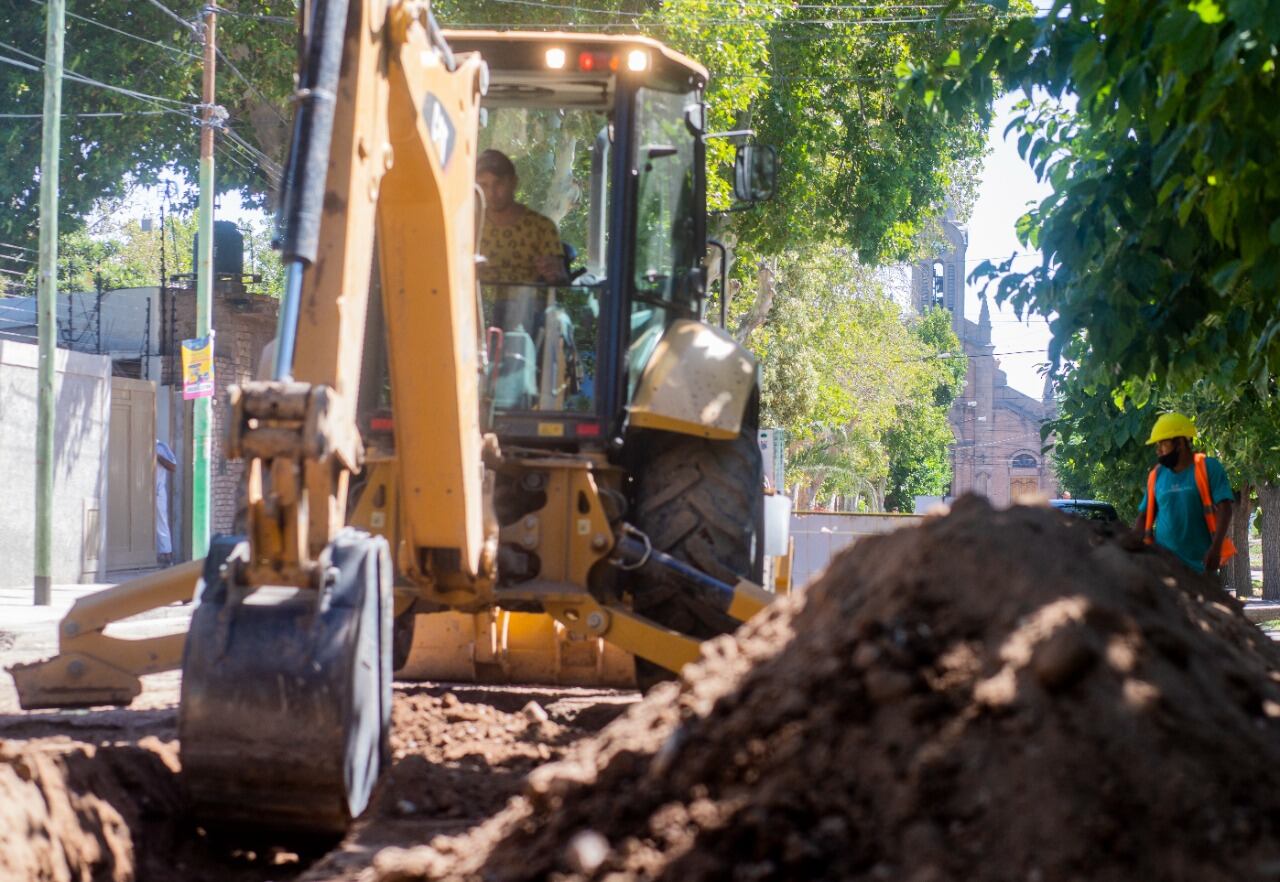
82 396
819 536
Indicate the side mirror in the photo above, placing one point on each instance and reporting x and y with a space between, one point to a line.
755 172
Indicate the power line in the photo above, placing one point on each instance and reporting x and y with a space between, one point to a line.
268 165
102 115
129 34
187 25
16 63
768 22
17 247
832 7
718 22
274 19
74 77
254 89
771 39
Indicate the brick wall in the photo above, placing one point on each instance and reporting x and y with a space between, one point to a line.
243 324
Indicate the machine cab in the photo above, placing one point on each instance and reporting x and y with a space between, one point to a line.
592 227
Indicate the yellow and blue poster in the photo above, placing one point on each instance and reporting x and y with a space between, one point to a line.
197 368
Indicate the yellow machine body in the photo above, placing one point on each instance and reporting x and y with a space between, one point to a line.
697 382
402 162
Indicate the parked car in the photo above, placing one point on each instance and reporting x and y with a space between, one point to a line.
1089 509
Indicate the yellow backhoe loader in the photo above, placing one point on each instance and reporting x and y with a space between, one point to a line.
450 473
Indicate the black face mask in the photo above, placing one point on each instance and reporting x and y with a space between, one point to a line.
1170 459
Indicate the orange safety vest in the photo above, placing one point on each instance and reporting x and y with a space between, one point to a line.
1210 519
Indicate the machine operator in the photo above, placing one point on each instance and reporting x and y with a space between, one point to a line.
518 244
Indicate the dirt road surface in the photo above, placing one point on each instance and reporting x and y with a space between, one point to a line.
990 696
95 794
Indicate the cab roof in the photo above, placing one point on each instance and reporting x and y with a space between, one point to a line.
523 54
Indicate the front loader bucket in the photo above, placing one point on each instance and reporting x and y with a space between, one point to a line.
501 646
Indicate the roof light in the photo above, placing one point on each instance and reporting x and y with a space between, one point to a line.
555 58
637 60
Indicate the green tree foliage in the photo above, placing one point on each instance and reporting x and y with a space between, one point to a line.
1157 130
111 253
141 67
861 393
919 448
863 174
1154 123
857 165
1100 447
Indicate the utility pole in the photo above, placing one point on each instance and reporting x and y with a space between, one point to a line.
202 407
47 298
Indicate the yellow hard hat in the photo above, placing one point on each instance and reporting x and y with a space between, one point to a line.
1171 425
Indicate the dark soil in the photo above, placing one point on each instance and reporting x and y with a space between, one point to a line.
1007 695
96 796
992 696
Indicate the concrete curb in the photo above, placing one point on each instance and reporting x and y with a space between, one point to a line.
18 611
1262 610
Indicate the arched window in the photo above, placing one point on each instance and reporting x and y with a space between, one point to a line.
1024 461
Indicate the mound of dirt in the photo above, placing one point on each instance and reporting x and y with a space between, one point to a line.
995 695
96 796
74 811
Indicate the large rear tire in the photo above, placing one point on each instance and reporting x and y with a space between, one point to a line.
700 501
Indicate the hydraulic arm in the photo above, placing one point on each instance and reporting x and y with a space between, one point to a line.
497 498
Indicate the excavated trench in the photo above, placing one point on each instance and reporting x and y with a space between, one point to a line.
96 795
994 695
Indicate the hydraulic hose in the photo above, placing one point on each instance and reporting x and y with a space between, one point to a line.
303 197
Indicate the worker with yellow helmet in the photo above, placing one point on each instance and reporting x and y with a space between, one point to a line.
1187 507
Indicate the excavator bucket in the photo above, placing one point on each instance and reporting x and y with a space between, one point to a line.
502 646
286 693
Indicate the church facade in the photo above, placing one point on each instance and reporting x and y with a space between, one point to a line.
997 449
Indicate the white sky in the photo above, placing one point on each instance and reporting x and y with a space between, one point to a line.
1007 186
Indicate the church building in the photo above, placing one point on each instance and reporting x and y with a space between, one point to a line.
996 427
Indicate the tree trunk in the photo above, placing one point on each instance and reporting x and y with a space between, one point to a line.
1239 571
563 191
759 312
1269 501
815 486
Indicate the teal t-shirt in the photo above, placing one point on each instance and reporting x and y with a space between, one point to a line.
1180 525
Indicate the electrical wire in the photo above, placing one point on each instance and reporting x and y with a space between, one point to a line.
274 19
638 15
228 151
16 63
224 149
130 34
252 88
272 168
726 22
188 25
831 7
104 115
74 77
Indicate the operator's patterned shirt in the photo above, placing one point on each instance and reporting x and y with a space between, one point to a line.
511 252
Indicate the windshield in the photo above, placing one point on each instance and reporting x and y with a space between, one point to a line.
667 247
543 172
543 346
